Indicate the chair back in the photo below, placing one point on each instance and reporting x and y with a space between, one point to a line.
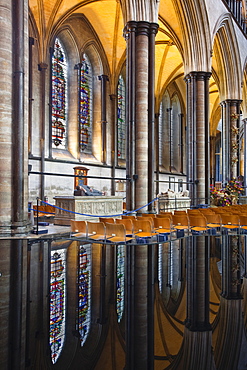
96 230
115 232
128 223
142 226
110 220
78 226
162 223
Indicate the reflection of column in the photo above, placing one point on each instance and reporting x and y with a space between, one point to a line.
16 313
230 326
197 342
231 279
139 307
198 135
198 284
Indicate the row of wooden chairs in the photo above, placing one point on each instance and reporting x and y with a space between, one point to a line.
148 228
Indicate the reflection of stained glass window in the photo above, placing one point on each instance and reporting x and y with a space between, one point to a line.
160 267
57 302
85 105
84 291
59 95
120 281
121 119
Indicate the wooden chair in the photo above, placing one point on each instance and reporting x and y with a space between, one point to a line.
180 222
79 228
213 222
128 225
143 230
96 230
116 233
243 223
180 212
130 217
149 215
146 218
164 215
110 220
230 222
163 226
198 223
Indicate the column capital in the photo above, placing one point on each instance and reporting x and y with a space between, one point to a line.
197 75
42 66
103 78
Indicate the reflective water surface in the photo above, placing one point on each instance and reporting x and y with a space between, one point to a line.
70 304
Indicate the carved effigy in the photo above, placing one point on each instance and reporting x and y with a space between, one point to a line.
171 200
86 208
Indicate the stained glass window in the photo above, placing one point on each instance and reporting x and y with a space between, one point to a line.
59 95
57 302
121 126
84 292
120 281
85 105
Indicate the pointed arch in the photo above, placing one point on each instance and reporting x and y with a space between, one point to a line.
227 58
193 19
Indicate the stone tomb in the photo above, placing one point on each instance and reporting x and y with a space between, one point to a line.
110 206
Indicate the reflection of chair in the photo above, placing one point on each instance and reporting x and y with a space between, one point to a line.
143 230
110 220
96 230
230 222
79 227
116 233
198 223
128 225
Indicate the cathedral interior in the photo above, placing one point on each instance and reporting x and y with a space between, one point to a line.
137 102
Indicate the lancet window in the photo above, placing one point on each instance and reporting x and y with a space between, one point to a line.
121 125
85 105
59 96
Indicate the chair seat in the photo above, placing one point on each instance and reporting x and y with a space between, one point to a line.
97 236
230 226
180 227
144 234
162 231
79 235
214 225
198 228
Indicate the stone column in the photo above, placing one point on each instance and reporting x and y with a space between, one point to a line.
42 69
140 116
198 136
103 79
113 98
212 159
230 128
